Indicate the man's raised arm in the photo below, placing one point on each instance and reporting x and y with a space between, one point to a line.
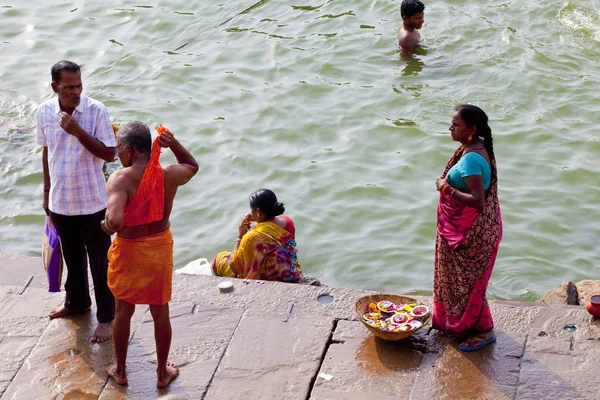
187 165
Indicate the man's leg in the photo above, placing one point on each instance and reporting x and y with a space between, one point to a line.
73 247
120 332
98 243
162 335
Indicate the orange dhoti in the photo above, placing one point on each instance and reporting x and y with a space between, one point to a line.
140 270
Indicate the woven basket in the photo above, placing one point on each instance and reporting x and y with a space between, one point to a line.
363 302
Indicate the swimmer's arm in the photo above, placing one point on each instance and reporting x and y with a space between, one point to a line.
117 200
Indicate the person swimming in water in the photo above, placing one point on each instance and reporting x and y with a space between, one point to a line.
412 12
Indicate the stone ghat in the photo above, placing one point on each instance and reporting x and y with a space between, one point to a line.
237 346
572 294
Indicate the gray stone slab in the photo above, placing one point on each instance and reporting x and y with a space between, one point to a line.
489 373
27 314
64 363
16 270
13 351
267 358
549 344
199 341
560 376
22 322
553 320
271 359
560 366
270 297
513 317
176 309
362 366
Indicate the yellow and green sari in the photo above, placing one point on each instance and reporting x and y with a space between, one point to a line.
267 252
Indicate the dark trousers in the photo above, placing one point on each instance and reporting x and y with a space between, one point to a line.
81 236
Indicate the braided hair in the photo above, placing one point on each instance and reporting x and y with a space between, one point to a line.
475 116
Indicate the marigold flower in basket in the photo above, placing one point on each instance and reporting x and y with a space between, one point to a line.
371 307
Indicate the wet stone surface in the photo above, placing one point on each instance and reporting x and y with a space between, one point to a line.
490 373
236 345
199 341
23 319
52 369
271 359
359 366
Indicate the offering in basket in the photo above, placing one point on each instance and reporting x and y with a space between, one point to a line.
392 317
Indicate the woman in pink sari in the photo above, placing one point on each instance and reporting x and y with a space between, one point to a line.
469 230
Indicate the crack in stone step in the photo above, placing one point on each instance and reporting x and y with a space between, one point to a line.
313 380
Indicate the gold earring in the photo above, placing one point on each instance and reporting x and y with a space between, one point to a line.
470 137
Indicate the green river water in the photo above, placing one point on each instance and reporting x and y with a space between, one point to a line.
311 99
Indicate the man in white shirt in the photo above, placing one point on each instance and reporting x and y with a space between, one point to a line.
78 138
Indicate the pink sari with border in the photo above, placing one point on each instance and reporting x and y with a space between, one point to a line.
465 252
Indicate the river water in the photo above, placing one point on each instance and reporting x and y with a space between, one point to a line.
311 99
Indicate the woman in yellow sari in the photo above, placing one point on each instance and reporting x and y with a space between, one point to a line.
265 252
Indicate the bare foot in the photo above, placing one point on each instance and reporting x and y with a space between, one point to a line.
117 374
63 311
166 378
103 332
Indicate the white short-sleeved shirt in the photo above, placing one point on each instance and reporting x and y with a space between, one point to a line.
78 186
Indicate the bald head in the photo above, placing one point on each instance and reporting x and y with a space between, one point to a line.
136 134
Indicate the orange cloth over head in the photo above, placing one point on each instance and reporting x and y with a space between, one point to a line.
148 202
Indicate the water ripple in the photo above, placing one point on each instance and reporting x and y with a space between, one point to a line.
314 101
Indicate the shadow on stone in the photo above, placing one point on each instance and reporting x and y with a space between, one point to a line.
378 356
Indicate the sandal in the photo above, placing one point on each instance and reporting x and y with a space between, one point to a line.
477 341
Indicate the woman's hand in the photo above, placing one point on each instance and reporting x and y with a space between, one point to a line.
244 225
440 182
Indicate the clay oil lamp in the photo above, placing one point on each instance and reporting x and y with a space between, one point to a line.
593 306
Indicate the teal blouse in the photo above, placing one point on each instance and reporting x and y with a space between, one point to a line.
470 164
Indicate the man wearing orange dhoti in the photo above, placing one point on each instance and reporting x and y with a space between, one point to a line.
140 259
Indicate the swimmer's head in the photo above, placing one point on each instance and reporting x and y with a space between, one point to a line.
412 12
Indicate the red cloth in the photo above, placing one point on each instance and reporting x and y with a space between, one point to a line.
289 225
148 203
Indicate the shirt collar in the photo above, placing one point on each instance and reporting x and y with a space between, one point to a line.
79 108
